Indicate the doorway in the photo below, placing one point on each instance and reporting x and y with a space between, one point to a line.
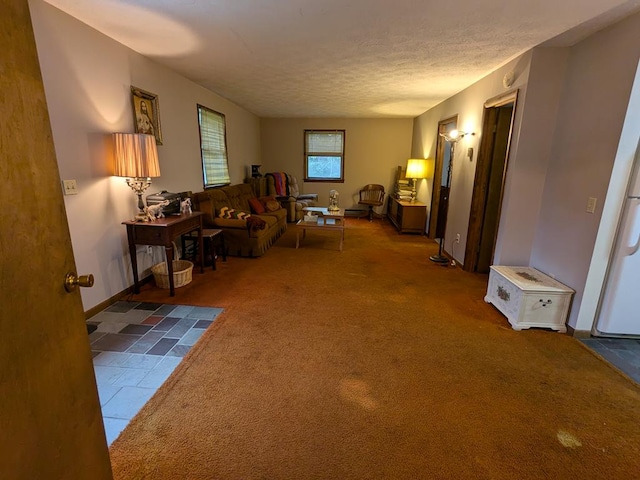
440 192
488 185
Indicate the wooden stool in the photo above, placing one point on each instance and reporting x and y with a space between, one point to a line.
209 235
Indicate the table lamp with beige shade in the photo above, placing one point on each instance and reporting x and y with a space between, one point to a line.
136 157
416 169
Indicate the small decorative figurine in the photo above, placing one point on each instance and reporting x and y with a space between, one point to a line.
155 211
255 171
185 206
333 201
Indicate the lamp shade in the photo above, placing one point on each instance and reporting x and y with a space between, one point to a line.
416 168
135 155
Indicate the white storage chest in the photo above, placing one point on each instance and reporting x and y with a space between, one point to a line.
529 298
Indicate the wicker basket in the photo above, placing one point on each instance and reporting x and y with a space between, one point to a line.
182 270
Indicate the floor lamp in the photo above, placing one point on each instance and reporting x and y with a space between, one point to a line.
452 137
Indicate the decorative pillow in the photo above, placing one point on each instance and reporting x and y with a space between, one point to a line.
266 199
270 203
256 206
226 212
272 206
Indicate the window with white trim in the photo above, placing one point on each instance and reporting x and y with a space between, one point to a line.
324 155
213 147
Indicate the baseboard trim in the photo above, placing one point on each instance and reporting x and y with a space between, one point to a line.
355 212
117 297
578 333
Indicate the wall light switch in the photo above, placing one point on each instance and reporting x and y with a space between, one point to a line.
70 187
591 204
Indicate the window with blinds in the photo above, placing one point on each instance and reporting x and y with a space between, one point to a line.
324 155
213 147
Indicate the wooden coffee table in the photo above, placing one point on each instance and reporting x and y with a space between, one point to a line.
327 220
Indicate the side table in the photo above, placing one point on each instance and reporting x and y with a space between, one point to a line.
326 220
162 232
212 237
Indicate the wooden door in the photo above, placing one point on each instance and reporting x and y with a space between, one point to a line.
489 228
488 184
50 418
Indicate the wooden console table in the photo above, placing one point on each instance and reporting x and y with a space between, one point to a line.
408 217
162 232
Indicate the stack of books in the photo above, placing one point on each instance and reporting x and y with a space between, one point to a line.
403 193
403 186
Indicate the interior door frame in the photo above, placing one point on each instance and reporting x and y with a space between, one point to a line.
437 175
481 180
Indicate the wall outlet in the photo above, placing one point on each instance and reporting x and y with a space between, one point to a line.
457 238
149 250
70 187
591 204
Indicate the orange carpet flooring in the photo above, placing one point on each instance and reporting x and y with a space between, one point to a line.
374 363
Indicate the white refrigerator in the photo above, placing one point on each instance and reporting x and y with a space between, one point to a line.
619 310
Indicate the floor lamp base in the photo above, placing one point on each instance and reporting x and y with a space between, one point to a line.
439 259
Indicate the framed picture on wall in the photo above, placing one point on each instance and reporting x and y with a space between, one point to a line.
146 114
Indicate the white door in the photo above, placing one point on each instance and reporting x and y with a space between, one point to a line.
50 419
619 313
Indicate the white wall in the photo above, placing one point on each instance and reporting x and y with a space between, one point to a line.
469 106
374 148
599 76
529 157
627 152
87 78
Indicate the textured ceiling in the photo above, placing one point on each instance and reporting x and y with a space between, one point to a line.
340 58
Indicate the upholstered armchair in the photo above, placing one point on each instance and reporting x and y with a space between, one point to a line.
285 188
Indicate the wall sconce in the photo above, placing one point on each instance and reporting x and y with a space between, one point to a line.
454 135
136 157
416 168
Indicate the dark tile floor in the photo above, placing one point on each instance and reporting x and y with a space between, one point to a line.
136 346
622 353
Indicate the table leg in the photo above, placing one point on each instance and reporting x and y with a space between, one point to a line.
212 251
224 248
169 253
134 259
298 238
201 248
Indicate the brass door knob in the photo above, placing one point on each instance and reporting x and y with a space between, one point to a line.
73 280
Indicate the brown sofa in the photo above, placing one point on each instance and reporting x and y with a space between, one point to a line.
239 236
